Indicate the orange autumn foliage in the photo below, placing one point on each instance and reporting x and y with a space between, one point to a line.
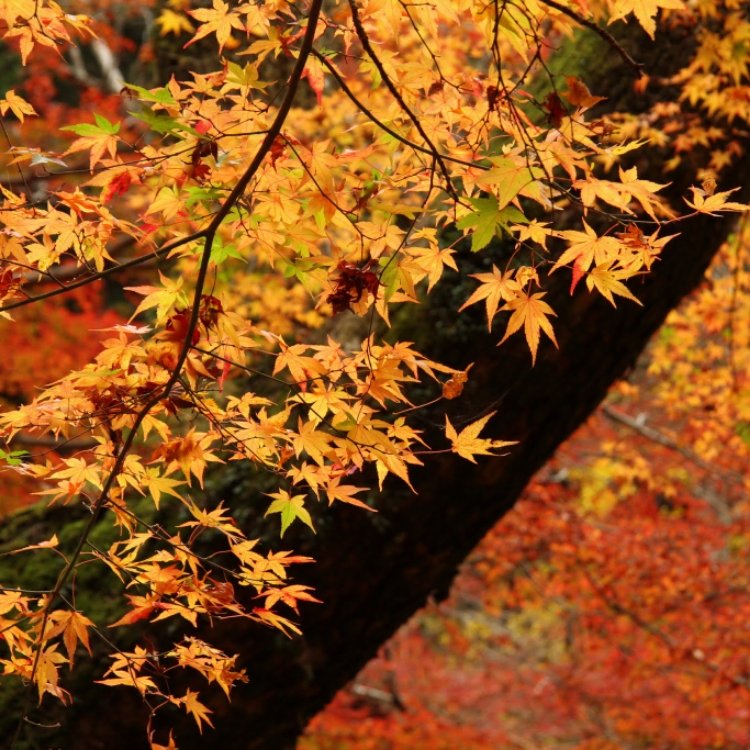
310 167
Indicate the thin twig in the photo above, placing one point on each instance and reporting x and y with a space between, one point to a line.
386 128
367 46
659 437
160 253
603 33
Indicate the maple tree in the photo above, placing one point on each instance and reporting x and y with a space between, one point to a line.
330 164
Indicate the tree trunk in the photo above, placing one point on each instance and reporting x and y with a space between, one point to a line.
373 571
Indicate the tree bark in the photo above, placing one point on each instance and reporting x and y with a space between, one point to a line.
373 571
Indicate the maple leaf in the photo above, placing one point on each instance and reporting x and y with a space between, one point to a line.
620 194
434 260
16 104
156 484
43 24
173 23
47 673
289 595
163 298
219 20
533 314
579 95
487 218
78 471
143 607
193 706
607 283
214 665
301 368
706 202
283 624
214 519
313 442
344 493
313 73
586 248
644 10
291 508
536 231
118 185
496 287
95 138
126 669
10 600
74 628
167 202
509 178
248 77
468 444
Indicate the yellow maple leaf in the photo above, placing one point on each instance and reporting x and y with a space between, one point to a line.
163 298
644 10
707 203
217 518
468 444
344 493
47 673
173 23
126 669
433 260
290 595
607 283
621 194
495 287
16 104
156 485
586 248
276 621
219 20
314 442
535 231
533 314
167 201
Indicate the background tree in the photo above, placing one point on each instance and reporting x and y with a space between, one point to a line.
351 202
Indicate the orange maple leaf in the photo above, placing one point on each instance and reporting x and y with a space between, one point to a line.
468 444
193 706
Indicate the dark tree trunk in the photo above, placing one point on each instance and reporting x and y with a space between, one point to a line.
374 571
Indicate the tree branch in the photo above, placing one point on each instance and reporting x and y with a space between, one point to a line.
208 234
603 33
436 155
